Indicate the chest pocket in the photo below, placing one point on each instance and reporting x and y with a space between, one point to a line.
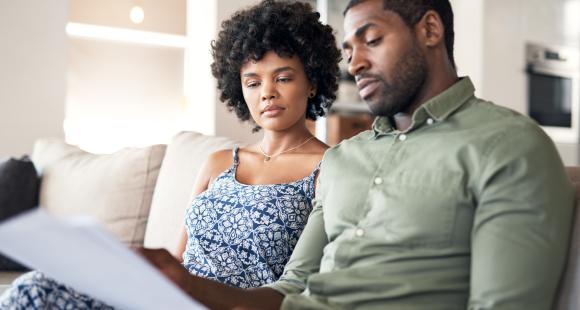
416 208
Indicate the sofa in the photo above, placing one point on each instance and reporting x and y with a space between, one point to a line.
140 194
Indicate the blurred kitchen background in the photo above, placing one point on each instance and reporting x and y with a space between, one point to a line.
106 74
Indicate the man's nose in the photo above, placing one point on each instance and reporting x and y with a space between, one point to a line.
358 63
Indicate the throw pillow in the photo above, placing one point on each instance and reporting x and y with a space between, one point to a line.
19 185
115 189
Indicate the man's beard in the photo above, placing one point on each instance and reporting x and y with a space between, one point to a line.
409 76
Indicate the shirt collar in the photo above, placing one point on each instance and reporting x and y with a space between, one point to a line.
439 108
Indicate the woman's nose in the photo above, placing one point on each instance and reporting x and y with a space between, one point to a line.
269 91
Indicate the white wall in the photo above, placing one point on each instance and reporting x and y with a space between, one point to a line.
469 40
122 92
35 71
122 95
509 25
199 85
166 16
32 72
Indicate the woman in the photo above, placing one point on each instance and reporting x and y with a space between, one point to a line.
276 66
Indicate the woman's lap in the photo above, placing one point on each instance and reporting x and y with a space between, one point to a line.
34 290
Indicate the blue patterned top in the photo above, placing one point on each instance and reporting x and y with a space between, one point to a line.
243 235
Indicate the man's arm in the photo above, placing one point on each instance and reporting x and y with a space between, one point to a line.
305 259
522 223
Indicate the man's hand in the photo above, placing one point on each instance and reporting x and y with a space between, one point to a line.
168 265
212 294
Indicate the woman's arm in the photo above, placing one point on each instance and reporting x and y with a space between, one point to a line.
215 164
182 245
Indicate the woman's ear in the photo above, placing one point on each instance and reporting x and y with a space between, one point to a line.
312 91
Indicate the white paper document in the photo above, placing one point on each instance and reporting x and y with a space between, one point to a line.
78 253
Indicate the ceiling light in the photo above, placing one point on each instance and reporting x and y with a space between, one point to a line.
137 14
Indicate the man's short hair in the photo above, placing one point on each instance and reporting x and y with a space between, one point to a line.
411 11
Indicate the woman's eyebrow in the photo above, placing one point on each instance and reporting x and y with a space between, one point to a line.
281 69
249 74
276 71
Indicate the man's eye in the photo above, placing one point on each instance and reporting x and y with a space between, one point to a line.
373 42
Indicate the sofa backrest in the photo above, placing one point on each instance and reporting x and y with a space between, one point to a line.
183 160
568 296
115 189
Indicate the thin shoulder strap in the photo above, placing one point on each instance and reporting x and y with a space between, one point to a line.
235 154
312 178
316 169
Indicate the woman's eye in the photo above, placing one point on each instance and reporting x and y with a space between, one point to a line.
252 84
284 79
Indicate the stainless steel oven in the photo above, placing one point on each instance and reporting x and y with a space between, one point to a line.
553 90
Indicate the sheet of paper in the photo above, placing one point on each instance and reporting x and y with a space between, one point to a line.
78 253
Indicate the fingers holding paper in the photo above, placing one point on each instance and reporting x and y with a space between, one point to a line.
212 294
168 265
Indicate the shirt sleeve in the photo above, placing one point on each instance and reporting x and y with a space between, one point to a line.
522 223
305 260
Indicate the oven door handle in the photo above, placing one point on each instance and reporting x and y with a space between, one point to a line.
532 68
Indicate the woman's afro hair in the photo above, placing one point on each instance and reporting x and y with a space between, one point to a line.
288 28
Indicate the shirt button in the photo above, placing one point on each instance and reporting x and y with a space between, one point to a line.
403 137
429 121
360 232
378 180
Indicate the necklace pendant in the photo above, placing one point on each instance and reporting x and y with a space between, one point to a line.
267 158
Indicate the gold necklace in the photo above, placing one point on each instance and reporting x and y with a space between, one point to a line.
267 157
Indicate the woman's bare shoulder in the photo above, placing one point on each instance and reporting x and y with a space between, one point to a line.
319 147
221 155
217 162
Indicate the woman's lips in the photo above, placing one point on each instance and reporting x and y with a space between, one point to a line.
273 111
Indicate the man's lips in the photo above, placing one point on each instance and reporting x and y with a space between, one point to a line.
366 86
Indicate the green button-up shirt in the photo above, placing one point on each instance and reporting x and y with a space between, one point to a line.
470 208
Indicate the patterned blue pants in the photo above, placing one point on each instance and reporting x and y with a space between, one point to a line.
34 290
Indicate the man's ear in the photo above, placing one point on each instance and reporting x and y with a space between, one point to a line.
430 29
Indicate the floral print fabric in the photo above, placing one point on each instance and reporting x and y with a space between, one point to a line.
243 235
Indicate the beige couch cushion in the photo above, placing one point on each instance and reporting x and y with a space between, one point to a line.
183 160
6 278
115 189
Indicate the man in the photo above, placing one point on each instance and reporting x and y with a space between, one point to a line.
450 202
